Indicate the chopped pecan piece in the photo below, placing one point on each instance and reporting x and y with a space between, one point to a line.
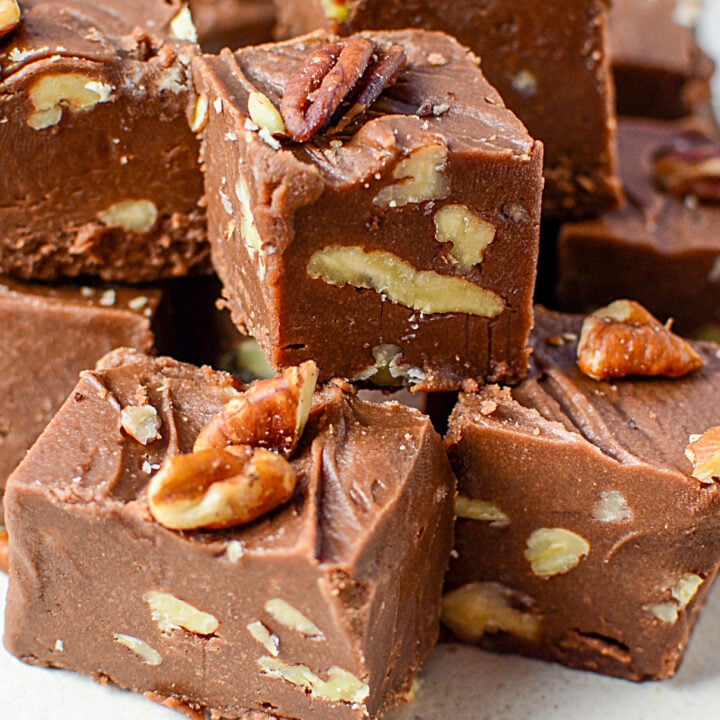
625 339
354 72
690 171
271 413
219 488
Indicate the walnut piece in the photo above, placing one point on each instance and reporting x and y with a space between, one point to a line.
200 114
183 27
141 422
264 114
612 508
703 452
337 10
248 228
388 371
420 177
270 641
271 413
143 650
139 216
625 339
685 589
480 608
171 613
469 234
51 93
386 273
292 618
219 488
482 510
555 551
341 685
9 16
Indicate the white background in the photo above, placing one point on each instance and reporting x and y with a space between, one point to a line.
459 683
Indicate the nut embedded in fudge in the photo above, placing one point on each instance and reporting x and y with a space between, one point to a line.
548 61
400 248
48 334
99 170
327 606
659 69
586 535
662 247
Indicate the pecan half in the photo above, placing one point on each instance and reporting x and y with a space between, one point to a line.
625 339
380 74
354 72
690 171
219 488
272 413
9 16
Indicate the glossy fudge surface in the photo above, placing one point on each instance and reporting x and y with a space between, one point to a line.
659 69
48 335
597 471
659 249
99 169
331 249
548 61
232 23
325 607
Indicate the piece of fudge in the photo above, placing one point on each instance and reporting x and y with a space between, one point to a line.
98 174
232 23
48 334
659 69
399 247
662 247
325 607
548 61
584 536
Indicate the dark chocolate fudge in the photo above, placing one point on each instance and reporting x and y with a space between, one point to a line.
586 535
48 335
232 23
401 248
325 607
98 173
660 71
663 247
548 60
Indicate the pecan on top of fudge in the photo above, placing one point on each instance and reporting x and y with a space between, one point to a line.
397 241
99 170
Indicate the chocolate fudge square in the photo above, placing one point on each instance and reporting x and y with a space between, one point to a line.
232 23
662 247
401 248
548 61
48 334
659 69
323 608
583 537
98 173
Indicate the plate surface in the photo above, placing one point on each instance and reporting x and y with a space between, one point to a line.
458 683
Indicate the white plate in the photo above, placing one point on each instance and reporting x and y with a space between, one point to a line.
458 683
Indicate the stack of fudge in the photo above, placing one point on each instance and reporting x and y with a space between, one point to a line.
255 257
